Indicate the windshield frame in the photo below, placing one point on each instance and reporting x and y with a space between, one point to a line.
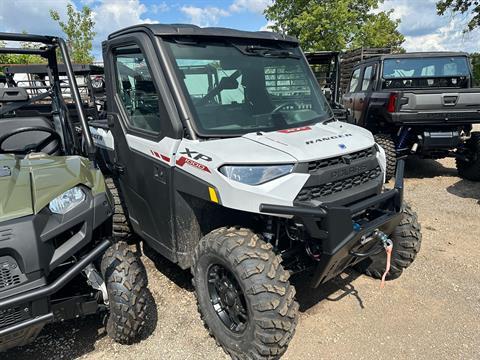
192 119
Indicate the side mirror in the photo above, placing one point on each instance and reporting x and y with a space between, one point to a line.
227 83
340 113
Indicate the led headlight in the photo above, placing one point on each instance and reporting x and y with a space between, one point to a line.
255 174
67 201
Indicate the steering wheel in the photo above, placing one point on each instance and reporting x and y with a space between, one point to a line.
53 136
285 104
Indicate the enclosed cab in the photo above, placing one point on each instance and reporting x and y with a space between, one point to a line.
227 159
420 103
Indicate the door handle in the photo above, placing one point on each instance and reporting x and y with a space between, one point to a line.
159 174
360 100
110 120
350 100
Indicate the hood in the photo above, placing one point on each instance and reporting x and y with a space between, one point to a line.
315 142
27 185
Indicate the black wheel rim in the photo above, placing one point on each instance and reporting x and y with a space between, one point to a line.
227 298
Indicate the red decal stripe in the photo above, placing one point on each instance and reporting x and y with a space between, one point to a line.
165 158
160 156
183 160
288 131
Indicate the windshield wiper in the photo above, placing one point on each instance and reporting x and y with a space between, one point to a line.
256 50
270 52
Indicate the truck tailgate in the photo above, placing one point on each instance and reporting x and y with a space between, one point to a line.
424 100
453 106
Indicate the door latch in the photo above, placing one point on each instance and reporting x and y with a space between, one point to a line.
118 169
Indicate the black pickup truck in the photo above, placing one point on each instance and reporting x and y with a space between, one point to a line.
418 103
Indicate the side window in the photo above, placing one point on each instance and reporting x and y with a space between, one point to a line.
354 81
367 78
136 89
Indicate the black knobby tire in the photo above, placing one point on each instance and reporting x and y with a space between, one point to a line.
126 282
387 143
121 224
470 169
270 299
406 239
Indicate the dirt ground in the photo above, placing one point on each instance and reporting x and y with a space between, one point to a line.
431 312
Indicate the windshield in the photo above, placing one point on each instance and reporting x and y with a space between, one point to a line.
237 88
425 67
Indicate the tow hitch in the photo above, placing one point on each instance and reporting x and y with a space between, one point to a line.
387 244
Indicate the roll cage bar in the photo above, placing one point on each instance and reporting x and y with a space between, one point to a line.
49 52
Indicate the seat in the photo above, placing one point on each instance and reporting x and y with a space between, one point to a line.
22 140
28 119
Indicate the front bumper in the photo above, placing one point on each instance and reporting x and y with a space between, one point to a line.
340 229
32 307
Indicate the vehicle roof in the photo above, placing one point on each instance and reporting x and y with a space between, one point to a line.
80 69
321 53
193 30
425 54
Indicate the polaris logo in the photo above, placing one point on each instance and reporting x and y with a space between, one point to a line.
348 171
327 138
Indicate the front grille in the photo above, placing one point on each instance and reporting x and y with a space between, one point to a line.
11 316
316 192
316 165
10 274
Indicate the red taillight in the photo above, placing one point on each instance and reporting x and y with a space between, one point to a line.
392 102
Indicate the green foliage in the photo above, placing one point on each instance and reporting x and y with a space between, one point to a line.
335 24
462 7
379 31
476 68
79 31
21 58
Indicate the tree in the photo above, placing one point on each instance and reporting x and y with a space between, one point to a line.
476 68
379 31
469 7
335 24
79 32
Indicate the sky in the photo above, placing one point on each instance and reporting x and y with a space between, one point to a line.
424 30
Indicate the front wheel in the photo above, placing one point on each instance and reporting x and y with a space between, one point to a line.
243 294
387 143
406 239
126 282
469 168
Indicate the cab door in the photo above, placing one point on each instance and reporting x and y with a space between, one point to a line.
145 139
349 97
360 102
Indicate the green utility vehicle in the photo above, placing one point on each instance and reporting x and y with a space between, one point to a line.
57 258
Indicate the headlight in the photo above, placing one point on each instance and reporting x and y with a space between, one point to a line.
67 201
255 174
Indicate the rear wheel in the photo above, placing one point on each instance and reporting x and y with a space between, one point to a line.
121 225
387 143
243 294
469 168
406 239
126 282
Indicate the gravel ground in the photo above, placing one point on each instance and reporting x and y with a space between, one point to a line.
431 312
